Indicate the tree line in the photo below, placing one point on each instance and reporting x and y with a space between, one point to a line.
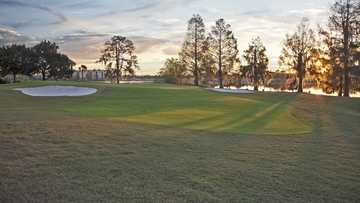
118 56
43 59
330 54
204 55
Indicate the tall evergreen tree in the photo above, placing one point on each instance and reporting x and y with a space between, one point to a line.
208 63
331 57
224 48
344 23
192 51
257 61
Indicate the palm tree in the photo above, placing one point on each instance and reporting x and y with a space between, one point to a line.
82 68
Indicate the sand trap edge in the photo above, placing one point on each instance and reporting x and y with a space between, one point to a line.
57 91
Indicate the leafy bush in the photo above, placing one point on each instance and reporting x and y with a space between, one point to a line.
169 79
2 81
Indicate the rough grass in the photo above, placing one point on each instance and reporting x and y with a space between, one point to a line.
164 143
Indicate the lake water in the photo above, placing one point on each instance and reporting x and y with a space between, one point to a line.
314 91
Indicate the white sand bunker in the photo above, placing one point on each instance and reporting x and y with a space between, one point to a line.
233 91
57 91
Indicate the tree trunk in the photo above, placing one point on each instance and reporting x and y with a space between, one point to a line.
14 77
196 68
300 88
301 78
220 64
256 79
347 83
346 76
300 73
120 69
341 87
346 53
117 75
43 75
117 64
239 81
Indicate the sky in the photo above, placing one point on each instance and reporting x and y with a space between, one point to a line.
157 27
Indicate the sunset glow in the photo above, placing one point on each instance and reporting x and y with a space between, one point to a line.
157 27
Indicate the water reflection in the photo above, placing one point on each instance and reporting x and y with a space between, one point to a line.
314 91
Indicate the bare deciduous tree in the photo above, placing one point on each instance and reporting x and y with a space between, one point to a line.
298 50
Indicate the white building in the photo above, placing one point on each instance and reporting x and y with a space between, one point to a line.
90 75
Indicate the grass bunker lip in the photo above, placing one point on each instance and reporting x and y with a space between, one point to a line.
57 91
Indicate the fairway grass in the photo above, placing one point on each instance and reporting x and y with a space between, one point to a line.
195 109
163 143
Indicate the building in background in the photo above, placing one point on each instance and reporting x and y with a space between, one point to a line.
89 75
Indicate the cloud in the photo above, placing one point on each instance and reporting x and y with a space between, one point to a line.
8 37
12 3
171 50
142 7
144 44
85 47
157 27
19 24
145 5
260 12
82 5
137 8
81 35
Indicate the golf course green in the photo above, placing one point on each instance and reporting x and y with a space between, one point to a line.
159 142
